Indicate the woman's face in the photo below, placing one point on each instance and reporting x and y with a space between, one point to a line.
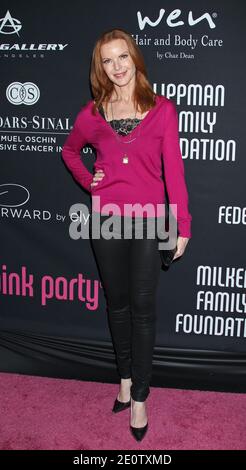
117 62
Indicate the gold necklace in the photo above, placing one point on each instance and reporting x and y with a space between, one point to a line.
125 158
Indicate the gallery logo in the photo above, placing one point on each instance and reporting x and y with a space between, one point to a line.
23 93
9 25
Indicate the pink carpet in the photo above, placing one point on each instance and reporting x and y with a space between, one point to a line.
46 413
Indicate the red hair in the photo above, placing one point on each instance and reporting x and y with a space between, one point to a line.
102 86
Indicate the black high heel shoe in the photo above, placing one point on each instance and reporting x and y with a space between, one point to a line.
139 433
120 406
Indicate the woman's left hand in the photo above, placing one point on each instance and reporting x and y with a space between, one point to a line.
181 245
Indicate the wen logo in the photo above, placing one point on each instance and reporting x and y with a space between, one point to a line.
170 20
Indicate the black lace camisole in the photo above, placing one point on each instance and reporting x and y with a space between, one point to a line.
121 126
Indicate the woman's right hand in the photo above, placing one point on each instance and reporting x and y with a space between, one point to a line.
98 176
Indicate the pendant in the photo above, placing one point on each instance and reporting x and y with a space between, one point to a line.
125 159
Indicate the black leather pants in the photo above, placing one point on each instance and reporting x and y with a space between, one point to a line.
129 271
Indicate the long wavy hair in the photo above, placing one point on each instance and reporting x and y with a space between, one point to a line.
102 86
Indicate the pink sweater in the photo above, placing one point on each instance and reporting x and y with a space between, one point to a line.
140 180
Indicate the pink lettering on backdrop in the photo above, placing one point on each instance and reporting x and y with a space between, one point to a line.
52 288
16 284
79 288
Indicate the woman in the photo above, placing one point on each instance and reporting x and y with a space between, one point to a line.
133 131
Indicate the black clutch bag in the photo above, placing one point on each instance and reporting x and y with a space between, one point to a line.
167 256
